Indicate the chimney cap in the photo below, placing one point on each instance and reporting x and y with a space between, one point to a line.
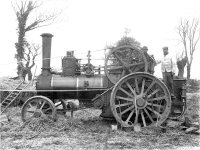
46 35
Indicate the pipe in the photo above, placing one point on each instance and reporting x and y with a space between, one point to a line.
46 52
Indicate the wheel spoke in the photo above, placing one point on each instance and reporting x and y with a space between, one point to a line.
118 58
44 102
136 85
152 104
157 98
133 66
122 105
136 64
150 86
155 112
115 68
31 106
129 117
142 89
122 62
138 68
136 115
129 86
126 66
124 98
47 109
126 110
30 111
143 119
127 93
148 115
153 93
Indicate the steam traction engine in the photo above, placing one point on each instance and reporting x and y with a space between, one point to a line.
127 91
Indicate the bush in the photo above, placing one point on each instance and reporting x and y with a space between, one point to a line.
193 85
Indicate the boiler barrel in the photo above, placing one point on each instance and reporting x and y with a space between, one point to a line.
78 82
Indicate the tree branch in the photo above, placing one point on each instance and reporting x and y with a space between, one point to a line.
190 35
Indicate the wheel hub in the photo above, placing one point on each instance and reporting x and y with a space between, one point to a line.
37 114
141 103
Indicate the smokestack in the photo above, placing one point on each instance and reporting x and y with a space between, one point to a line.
46 52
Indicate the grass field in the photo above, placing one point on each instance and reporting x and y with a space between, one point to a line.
86 130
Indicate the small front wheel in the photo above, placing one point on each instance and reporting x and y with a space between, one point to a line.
38 107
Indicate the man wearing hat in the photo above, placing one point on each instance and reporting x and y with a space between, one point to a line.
150 59
168 70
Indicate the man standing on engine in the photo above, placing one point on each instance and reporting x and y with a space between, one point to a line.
150 59
168 70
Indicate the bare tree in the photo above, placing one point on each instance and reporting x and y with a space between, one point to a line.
23 10
29 56
189 33
181 61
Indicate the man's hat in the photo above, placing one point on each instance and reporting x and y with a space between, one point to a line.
165 48
144 48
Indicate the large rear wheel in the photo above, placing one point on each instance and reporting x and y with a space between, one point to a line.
140 98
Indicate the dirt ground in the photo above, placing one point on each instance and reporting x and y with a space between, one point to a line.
88 131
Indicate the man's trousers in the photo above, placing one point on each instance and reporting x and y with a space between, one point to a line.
168 80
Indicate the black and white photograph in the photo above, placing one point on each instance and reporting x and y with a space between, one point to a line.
100 74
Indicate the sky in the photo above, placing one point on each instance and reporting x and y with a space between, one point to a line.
84 25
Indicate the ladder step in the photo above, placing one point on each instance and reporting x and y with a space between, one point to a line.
10 98
13 95
5 101
4 104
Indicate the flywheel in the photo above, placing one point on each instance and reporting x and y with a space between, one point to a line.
124 60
